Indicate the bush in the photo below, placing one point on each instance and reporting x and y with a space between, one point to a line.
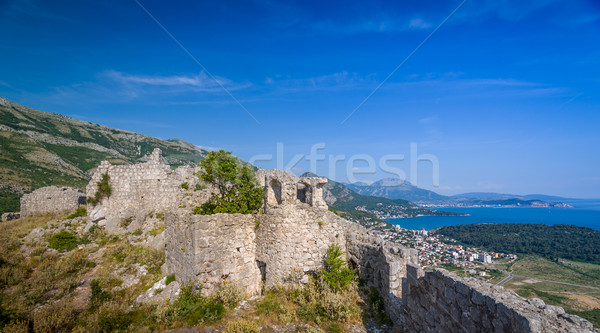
335 307
104 190
337 274
80 212
57 317
157 231
98 296
237 188
241 326
126 222
170 278
334 328
128 255
377 306
53 270
63 241
93 229
185 186
269 305
229 295
193 309
114 317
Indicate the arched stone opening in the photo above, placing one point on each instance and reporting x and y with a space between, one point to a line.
301 192
275 192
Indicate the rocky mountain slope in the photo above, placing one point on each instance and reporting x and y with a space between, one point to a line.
39 149
394 188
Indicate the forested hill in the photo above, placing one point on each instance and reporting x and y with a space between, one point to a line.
550 241
39 149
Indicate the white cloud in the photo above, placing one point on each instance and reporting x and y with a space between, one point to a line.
418 23
199 82
209 148
428 120
339 80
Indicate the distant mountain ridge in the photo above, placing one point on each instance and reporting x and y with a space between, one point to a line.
394 188
342 198
39 149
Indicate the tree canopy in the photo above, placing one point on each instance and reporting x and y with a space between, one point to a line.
549 241
238 190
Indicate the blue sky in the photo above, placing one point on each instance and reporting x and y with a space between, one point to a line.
505 94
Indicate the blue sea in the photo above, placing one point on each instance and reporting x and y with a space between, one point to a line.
586 213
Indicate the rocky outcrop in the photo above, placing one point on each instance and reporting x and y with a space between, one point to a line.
10 216
51 199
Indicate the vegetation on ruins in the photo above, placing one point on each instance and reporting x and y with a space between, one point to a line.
337 274
236 185
104 190
79 212
332 298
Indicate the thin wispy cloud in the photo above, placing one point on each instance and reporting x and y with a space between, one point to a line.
428 120
418 23
335 81
199 82
374 24
118 87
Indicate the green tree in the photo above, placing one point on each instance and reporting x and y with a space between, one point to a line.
337 273
238 190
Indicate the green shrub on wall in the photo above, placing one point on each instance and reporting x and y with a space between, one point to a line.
104 190
236 185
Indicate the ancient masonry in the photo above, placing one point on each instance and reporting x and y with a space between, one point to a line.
288 240
51 199
138 189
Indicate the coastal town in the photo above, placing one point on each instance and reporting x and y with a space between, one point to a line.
439 251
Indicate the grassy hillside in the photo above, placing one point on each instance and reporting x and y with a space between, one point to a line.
56 277
39 149
569 284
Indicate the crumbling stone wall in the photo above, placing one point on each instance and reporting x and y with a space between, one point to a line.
149 186
295 238
439 301
51 199
212 250
282 188
383 265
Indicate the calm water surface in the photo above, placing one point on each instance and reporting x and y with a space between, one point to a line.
585 214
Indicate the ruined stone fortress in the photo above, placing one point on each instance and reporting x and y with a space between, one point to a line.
287 241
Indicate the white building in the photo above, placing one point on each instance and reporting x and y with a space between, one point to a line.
485 258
